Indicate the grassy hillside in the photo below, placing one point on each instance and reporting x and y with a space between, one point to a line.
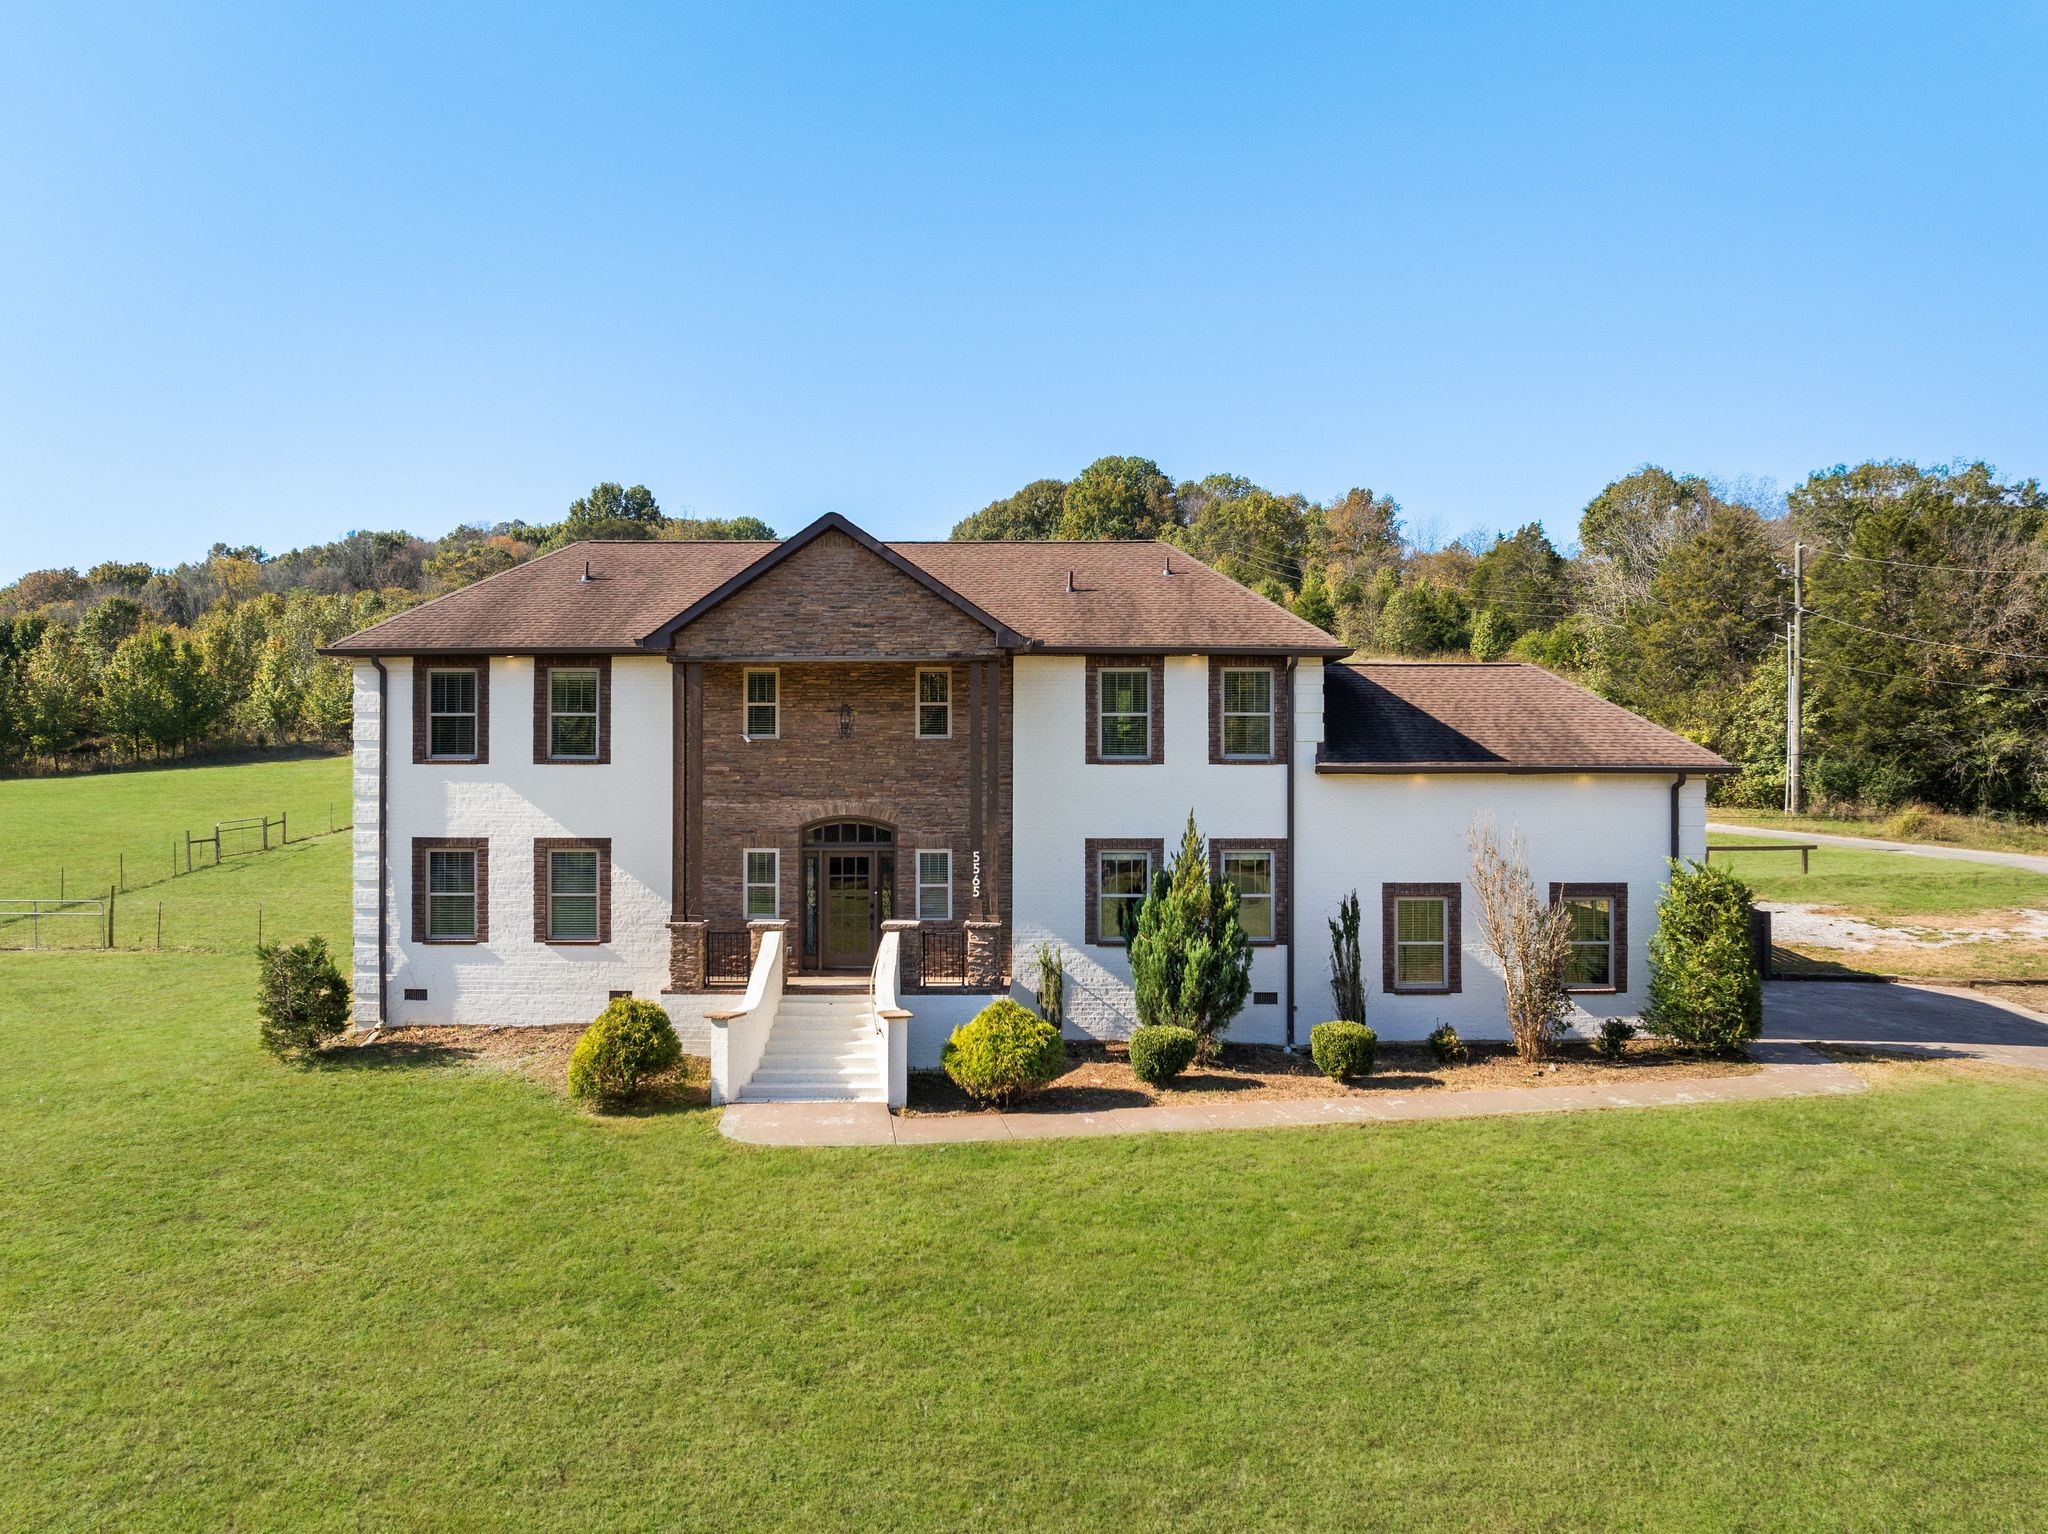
83 825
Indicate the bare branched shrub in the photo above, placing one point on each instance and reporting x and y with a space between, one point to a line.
1527 935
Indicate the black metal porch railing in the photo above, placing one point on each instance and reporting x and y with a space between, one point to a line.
727 957
942 956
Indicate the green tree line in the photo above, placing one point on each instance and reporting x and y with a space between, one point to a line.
1926 597
127 662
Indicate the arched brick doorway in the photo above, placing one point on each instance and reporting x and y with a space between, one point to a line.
847 892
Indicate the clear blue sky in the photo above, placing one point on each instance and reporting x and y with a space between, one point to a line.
269 273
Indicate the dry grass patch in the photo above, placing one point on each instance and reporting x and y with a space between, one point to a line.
1098 1076
1904 1068
540 1054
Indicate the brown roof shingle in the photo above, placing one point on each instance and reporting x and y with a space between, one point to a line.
1493 717
1122 599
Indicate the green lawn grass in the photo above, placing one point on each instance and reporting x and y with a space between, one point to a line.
1916 823
431 1295
1894 887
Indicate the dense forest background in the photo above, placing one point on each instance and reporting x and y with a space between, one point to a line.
1926 614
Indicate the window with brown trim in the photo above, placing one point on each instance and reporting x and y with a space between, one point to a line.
1116 874
451 710
1126 709
1250 713
1597 943
572 709
1419 939
572 889
451 889
1257 865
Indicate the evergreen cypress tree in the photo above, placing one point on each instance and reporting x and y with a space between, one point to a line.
1191 961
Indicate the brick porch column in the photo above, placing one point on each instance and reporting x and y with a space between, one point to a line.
908 967
757 930
686 942
985 966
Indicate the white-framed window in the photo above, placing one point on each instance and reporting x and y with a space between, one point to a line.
1422 943
451 714
763 883
451 894
934 885
572 895
764 705
1248 713
934 703
1252 873
1124 715
572 713
1122 880
1589 963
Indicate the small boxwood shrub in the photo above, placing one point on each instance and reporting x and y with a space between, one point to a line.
1447 1047
1162 1053
630 1041
1342 1049
300 996
1003 1052
1615 1033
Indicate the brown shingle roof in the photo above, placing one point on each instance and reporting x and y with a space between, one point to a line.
1122 599
1472 717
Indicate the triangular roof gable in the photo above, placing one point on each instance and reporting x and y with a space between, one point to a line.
831 522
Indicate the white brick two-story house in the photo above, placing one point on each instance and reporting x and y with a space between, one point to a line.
896 770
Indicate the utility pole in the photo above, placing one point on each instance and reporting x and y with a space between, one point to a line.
1793 657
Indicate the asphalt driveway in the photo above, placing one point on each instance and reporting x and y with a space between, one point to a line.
1917 1019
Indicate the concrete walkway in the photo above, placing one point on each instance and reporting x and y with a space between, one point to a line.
2033 862
1931 1020
1790 1070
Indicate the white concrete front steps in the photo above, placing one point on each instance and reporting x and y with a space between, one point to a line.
823 1048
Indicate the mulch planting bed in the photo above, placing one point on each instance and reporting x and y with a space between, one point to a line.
1098 1076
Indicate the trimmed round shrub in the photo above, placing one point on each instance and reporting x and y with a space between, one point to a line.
1342 1049
301 998
1162 1053
1003 1052
630 1041
1448 1048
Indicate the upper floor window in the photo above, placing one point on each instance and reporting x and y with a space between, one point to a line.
1248 713
934 704
1125 717
764 705
451 894
572 713
1252 873
451 714
935 886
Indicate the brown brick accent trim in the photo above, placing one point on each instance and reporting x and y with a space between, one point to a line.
421 846
542 666
1283 917
1283 709
1095 847
1096 665
602 846
1617 893
1454 926
421 666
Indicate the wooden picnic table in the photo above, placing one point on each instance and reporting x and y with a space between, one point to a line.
1804 849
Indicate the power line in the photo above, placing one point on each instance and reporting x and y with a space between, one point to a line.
1920 639
1914 564
1927 681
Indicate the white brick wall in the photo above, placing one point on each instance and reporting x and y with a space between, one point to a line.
511 800
1062 800
1358 832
